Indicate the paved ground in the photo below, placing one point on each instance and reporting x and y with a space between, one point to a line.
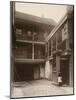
39 88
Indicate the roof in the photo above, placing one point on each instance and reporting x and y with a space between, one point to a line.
33 18
68 15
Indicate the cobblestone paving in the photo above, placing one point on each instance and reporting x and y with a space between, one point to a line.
39 88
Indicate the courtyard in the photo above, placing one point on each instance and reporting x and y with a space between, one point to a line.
41 87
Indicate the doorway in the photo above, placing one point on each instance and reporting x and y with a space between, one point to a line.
23 72
64 68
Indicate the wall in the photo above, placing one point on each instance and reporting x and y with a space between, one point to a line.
71 36
36 72
71 72
42 71
48 70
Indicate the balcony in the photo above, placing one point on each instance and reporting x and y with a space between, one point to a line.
21 60
27 52
25 37
22 54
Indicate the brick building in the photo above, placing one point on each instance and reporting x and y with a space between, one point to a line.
42 48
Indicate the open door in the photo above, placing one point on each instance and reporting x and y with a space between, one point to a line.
64 68
23 72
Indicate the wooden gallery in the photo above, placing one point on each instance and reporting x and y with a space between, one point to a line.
41 48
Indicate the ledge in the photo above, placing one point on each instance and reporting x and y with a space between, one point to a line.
20 60
26 41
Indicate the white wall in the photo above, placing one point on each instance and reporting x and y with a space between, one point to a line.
36 72
48 70
42 71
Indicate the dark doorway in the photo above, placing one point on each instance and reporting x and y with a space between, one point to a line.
23 72
64 68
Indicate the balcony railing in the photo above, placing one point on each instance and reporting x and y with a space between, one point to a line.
23 37
23 54
39 57
62 45
27 55
29 38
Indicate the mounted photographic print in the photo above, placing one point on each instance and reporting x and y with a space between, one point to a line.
42 49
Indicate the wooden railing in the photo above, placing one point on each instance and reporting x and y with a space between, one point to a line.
23 54
29 38
27 55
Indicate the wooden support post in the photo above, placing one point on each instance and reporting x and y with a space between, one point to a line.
57 64
67 44
48 49
51 47
33 51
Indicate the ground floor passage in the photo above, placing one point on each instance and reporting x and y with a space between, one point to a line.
27 72
32 71
41 87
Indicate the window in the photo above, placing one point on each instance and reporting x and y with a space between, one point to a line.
46 49
35 34
39 51
23 51
18 31
54 62
54 43
50 47
64 32
59 36
29 33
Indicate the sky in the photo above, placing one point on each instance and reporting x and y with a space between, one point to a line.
55 12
